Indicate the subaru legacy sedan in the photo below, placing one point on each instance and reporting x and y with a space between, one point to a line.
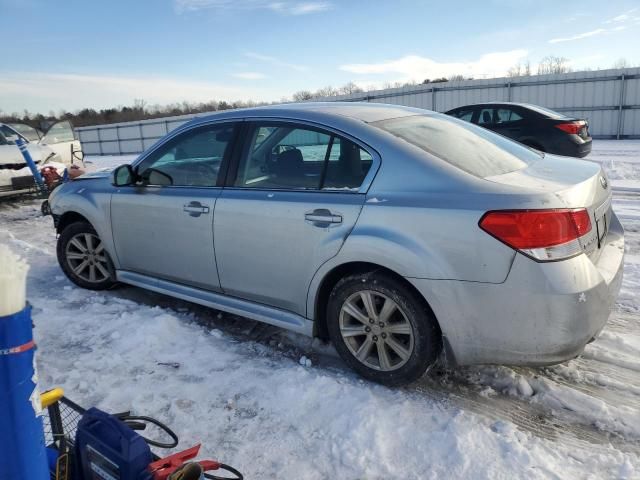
402 235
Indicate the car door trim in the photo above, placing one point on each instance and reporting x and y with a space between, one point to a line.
245 308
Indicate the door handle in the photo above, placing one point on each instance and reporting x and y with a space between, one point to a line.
195 209
321 216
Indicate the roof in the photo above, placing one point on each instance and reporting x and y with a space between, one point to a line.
364 111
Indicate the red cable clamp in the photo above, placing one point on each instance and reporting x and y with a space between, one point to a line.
164 467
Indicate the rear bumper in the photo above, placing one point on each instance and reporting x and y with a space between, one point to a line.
543 313
571 146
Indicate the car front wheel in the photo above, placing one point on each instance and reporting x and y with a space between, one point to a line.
382 329
83 258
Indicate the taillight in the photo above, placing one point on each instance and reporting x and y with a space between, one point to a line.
540 234
570 127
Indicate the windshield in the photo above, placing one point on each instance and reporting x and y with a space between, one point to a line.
546 112
26 131
58 133
473 149
9 135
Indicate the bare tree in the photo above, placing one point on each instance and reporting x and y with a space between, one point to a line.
621 63
456 78
327 91
553 64
302 95
520 70
349 88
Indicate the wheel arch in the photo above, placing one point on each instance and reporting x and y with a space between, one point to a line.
69 217
321 294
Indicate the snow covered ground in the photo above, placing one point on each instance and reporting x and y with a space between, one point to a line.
277 405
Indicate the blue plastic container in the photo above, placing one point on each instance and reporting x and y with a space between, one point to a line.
22 448
107 449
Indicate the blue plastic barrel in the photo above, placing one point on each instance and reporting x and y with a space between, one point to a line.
22 448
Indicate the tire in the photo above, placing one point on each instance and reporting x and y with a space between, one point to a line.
83 266
405 340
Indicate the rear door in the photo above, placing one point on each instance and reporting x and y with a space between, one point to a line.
293 198
508 122
163 226
62 139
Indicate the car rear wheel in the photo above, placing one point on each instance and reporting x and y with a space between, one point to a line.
382 329
83 258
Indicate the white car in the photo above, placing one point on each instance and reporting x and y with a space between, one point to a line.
59 147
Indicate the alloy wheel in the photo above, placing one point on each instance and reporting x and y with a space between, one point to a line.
376 331
87 258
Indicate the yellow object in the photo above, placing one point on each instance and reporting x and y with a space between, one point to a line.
50 397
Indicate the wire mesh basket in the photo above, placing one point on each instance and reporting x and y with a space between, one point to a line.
61 422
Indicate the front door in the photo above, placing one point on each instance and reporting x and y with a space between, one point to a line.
62 139
163 226
508 123
293 201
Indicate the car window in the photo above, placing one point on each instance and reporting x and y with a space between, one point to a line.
10 135
506 115
486 116
465 114
191 159
301 158
546 112
475 150
347 167
27 131
58 133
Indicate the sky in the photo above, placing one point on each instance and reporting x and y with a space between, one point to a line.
77 53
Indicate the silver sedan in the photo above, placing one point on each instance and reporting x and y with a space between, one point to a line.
400 234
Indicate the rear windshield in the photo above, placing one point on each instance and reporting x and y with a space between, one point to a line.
546 112
473 149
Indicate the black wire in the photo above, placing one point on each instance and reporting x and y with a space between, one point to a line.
238 475
157 423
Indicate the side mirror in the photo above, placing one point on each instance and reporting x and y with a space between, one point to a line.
123 176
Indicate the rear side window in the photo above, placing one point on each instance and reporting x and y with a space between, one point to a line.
475 150
546 112
287 156
486 116
465 115
506 115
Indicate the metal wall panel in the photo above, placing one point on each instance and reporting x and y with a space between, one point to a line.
609 99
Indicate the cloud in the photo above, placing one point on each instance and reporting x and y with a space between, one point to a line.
275 61
285 7
414 67
299 8
598 31
249 75
626 16
621 22
42 92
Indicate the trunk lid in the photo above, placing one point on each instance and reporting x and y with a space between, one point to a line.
577 183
